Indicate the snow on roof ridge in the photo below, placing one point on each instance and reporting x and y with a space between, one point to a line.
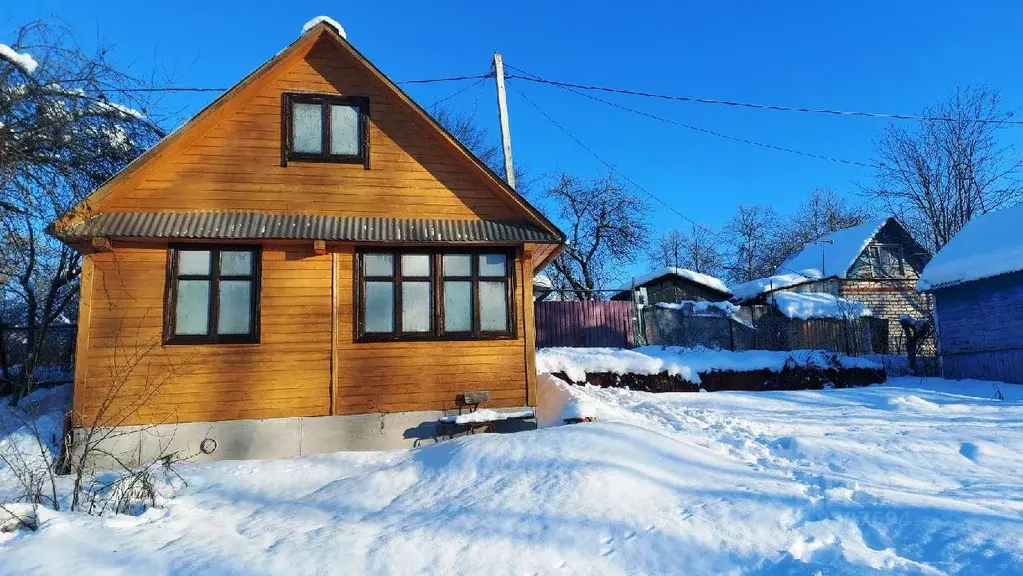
691 275
758 286
989 245
841 248
23 60
329 21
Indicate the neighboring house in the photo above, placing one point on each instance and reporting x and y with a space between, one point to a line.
976 281
310 264
876 263
674 285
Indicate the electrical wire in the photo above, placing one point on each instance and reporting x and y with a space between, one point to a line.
711 132
721 238
212 89
884 115
457 92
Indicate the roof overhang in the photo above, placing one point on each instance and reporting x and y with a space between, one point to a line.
267 226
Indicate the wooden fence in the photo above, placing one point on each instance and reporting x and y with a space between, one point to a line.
585 324
763 328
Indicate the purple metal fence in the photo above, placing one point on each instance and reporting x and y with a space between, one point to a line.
585 324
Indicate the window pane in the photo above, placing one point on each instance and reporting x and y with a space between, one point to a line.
306 128
194 262
457 265
457 306
236 263
235 307
415 306
379 264
415 265
344 130
192 309
493 307
379 307
492 264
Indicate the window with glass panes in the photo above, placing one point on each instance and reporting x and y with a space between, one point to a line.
887 261
410 295
324 128
212 295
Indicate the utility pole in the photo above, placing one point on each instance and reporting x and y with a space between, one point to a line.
502 111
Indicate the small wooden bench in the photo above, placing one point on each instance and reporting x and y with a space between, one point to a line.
471 420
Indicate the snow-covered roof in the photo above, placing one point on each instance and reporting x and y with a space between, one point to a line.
754 288
693 276
989 245
806 305
330 22
841 249
544 281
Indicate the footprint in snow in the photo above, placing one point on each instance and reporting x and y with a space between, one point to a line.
970 451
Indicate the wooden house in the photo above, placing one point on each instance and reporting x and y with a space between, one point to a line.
876 263
672 285
311 263
976 281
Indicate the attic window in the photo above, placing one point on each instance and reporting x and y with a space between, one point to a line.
325 128
887 261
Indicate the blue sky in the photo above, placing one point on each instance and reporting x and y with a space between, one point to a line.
877 56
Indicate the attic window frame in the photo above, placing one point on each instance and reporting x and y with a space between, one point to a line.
877 262
325 101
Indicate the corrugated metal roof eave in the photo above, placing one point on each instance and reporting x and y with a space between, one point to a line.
264 226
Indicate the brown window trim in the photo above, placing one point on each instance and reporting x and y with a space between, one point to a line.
214 277
325 101
437 279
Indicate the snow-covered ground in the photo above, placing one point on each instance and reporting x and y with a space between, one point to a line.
913 477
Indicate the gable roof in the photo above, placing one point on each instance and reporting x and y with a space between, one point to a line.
179 138
704 280
840 251
989 245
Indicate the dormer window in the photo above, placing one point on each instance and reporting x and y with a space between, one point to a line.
324 128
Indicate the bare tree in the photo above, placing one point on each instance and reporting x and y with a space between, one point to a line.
691 249
822 212
606 227
482 143
60 473
61 136
946 170
753 231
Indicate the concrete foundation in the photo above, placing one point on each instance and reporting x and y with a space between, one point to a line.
270 438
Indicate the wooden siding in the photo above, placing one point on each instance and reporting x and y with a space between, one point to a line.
236 164
286 374
411 376
980 329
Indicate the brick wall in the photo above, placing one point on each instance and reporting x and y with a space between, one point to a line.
890 299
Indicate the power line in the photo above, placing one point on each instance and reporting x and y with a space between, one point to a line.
733 103
213 89
721 238
457 92
705 130
611 166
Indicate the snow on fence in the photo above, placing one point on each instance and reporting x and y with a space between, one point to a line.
585 324
759 328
